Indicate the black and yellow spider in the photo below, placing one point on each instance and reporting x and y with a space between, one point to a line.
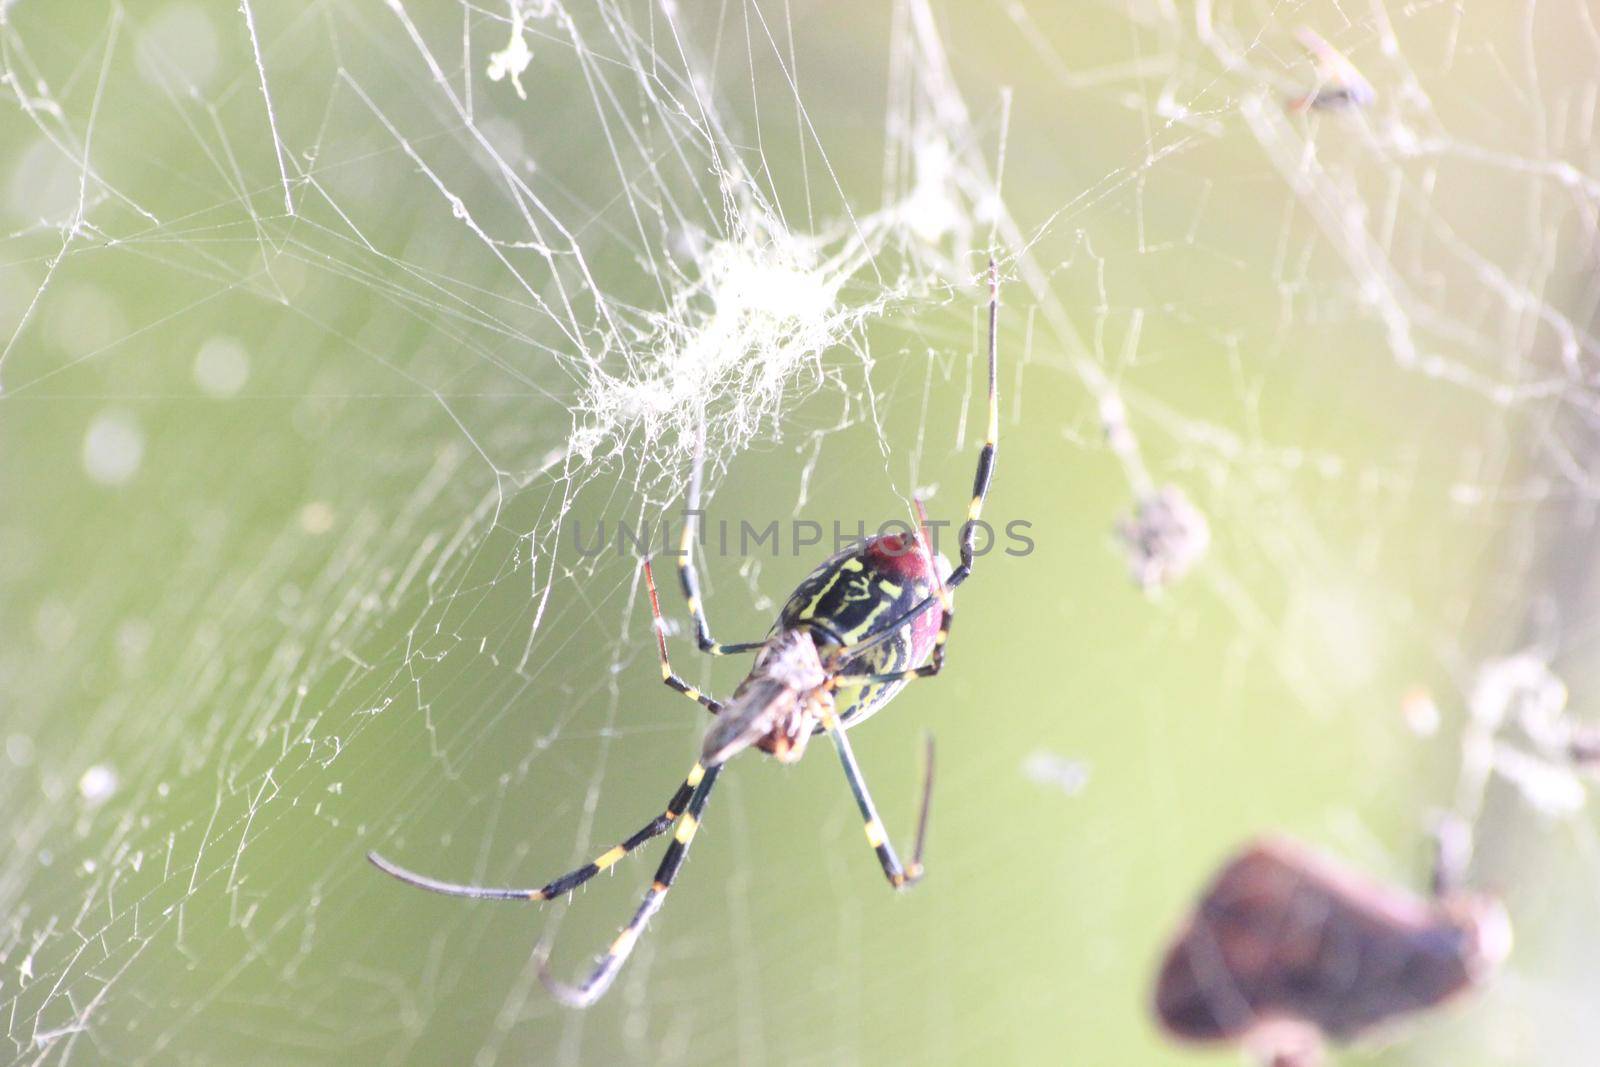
854 632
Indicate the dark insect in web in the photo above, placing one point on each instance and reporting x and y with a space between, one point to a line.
1287 949
850 637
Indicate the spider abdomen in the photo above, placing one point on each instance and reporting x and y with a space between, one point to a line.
850 596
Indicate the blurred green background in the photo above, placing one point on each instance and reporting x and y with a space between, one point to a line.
283 577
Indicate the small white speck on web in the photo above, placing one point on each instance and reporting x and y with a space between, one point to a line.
316 518
98 785
514 58
1420 711
113 448
1048 768
221 367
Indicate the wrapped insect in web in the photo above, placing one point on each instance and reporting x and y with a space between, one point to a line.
1164 537
854 632
1288 949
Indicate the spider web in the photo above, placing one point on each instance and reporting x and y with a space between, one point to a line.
325 328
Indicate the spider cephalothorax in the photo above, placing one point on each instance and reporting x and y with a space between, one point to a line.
777 707
853 633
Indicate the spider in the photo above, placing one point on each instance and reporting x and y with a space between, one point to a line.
853 633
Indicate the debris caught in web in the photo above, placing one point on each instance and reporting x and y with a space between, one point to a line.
1339 84
1047 768
1164 537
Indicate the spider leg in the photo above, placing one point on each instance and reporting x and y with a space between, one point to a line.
710 703
899 877
687 576
927 670
980 492
605 972
573 878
